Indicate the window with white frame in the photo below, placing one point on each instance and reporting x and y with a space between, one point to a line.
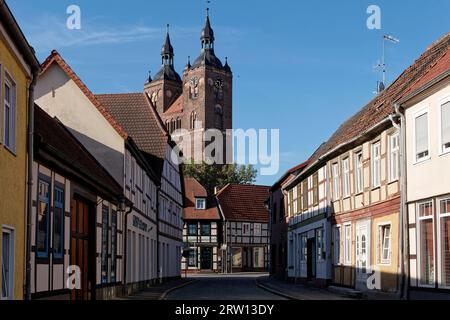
7 261
394 148
426 241
337 245
335 175
346 176
376 165
359 175
304 253
246 229
320 243
445 127
9 117
348 244
384 244
200 203
444 222
421 136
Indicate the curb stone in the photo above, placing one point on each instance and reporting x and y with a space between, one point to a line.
274 291
167 292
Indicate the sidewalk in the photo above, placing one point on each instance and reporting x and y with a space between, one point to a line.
296 291
159 292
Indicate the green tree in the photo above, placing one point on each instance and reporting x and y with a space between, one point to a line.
212 176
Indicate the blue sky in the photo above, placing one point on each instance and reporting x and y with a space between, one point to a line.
300 66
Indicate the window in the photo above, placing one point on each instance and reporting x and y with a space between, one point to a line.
58 223
335 175
200 204
205 229
421 134
346 173
9 119
427 264
246 229
113 246
258 257
376 165
291 202
393 157
337 245
305 190
348 244
43 220
192 229
444 216
320 239
299 208
192 260
257 229
105 225
7 261
445 127
304 247
316 188
384 244
359 176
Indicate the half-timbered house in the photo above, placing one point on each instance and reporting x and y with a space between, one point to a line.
202 232
245 227
76 218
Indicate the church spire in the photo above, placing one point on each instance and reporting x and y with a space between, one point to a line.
207 37
167 50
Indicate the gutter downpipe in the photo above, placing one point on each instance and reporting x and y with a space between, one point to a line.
125 247
30 184
404 293
159 269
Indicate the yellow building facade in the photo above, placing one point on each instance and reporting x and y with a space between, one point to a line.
16 73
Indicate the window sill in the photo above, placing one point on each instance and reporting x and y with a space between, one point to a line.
376 188
10 150
444 153
424 160
360 193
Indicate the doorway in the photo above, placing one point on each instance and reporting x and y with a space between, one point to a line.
311 258
362 250
206 258
83 247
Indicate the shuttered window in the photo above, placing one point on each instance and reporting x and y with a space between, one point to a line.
421 132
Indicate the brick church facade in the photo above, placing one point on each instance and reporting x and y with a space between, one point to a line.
201 98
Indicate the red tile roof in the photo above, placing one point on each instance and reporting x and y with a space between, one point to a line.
176 107
51 136
293 171
193 190
55 57
244 202
437 68
383 105
134 112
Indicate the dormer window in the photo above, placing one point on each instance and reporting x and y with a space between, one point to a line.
200 204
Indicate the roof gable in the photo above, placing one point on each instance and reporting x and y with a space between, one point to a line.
56 58
244 202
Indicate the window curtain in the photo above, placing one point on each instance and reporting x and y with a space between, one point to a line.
422 133
445 120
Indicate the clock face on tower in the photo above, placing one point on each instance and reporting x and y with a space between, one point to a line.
218 84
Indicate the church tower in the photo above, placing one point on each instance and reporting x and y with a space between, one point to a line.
166 86
207 87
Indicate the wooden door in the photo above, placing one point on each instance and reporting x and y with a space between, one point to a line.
81 248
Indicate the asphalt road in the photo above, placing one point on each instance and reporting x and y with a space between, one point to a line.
223 287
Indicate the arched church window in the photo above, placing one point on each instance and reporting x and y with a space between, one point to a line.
218 117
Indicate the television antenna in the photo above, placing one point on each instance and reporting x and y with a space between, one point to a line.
382 64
